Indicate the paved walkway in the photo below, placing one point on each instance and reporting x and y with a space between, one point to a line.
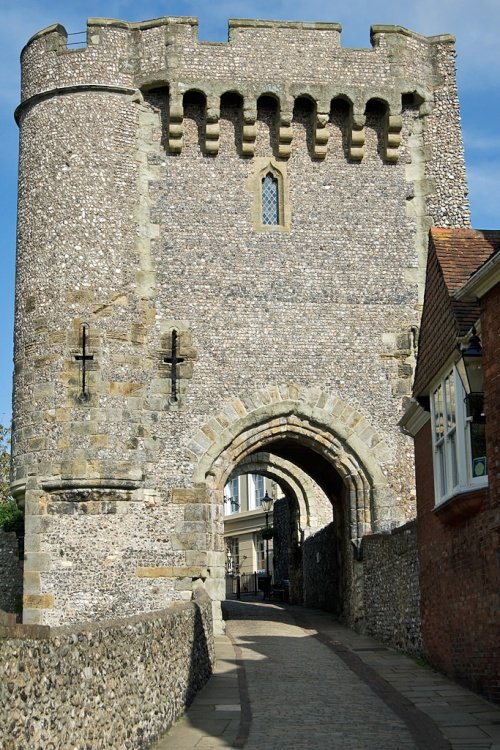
293 677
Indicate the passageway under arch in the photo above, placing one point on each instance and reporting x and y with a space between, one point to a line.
309 521
331 476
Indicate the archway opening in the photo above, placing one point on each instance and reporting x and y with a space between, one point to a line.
308 552
305 438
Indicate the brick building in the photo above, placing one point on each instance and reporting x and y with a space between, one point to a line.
457 444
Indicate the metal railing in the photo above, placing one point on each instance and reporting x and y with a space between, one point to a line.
79 41
244 583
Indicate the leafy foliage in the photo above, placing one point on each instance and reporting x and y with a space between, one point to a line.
4 464
11 517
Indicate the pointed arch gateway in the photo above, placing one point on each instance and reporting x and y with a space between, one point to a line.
323 437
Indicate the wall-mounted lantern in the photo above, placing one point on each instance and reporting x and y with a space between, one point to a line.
470 369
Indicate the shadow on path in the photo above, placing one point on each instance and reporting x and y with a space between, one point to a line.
289 675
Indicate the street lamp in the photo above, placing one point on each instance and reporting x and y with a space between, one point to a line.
266 505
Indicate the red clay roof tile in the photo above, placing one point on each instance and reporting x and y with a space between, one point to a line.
454 256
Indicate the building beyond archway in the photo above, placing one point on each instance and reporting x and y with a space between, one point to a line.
217 259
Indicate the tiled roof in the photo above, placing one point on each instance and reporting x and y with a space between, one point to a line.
461 252
454 256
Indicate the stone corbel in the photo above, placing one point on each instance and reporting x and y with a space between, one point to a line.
393 126
175 125
357 136
212 128
285 134
321 135
249 128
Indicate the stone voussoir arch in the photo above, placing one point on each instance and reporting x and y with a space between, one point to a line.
323 421
310 497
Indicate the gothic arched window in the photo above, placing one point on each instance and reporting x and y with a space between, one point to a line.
270 200
268 185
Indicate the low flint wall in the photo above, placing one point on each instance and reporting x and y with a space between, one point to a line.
115 684
391 588
320 570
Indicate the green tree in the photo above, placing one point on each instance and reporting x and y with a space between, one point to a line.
11 517
5 464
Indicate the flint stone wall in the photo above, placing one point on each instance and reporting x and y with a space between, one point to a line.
11 573
115 684
281 523
391 588
320 570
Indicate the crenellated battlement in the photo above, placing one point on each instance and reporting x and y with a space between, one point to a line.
284 60
187 26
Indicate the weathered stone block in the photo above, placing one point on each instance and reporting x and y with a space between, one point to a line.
37 562
38 601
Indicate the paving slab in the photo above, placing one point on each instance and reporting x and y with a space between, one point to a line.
294 676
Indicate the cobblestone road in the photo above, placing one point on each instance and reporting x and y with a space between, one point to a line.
292 678
302 694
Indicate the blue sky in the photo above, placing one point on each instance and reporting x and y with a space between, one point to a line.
475 23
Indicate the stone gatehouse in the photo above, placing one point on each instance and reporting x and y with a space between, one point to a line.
221 256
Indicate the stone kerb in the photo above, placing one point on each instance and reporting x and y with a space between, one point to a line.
113 684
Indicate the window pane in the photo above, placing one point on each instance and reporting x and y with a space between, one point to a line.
261 554
259 488
231 497
452 443
450 401
478 449
438 414
235 489
233 555
270 200
440 457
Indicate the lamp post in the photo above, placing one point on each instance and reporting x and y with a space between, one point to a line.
266 504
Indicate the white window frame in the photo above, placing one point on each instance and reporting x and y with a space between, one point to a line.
232 491
451 439
263 167
255 495
276 180
233 555
260 553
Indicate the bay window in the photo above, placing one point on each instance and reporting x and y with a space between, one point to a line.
458 439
